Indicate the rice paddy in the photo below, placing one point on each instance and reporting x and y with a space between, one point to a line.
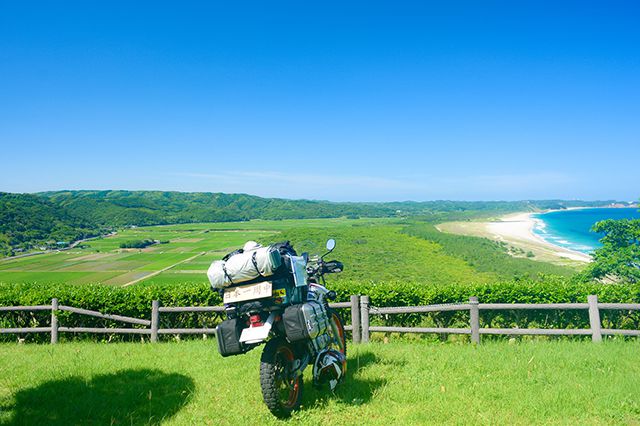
185 253
186 249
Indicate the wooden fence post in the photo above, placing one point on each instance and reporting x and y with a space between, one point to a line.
155 320
355 318
54 321
364 318
474 314
594 318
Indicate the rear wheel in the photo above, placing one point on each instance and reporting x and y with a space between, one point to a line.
281 389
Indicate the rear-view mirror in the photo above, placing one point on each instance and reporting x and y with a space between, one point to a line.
331 244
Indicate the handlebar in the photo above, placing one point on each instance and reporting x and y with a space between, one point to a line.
322 267
331 267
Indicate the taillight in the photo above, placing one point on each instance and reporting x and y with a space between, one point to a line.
255 321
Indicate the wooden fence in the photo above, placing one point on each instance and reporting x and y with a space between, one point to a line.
152 327
361 313
474 307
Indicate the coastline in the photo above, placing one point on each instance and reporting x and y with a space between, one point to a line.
516 229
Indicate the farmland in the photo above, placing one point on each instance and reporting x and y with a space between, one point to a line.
372 249
187 249
102 261
54 219
561 382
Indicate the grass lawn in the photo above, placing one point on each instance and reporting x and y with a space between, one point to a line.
560 382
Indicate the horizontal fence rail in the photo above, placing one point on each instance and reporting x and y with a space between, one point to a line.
475 331
418 309
105 330
105 316
361 312
624 306
441 330
519 306
25 308
191 309
25 330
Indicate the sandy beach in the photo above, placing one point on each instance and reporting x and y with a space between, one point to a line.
517 230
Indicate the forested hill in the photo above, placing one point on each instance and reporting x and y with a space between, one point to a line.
27 220
31 220
118 208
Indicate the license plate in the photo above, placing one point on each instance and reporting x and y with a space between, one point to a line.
242 293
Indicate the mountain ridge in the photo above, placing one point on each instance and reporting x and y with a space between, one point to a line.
51 217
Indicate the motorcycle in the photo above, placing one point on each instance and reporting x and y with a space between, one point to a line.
293 318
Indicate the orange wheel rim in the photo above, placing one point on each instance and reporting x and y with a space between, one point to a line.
291 386
339 331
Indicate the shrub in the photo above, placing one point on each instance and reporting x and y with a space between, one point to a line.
137 244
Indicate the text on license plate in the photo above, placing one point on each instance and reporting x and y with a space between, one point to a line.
247 292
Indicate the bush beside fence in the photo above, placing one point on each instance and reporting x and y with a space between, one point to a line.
549 290
135 301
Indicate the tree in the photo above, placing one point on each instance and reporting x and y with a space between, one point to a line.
619 257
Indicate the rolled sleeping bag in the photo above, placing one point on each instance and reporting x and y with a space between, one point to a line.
246 266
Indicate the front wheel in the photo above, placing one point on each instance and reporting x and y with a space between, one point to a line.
281 388
336 331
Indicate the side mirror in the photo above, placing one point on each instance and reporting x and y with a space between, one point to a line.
331 244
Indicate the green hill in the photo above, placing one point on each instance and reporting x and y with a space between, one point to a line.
119 208
30 220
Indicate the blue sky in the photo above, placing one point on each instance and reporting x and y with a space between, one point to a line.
359 101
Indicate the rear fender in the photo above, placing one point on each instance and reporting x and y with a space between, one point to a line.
256 335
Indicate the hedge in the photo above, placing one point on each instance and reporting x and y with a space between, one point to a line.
551 289
135 301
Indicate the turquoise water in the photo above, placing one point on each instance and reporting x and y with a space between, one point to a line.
571 228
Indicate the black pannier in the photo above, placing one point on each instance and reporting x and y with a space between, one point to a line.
228 334
304 321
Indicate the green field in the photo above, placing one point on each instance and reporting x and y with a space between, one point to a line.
559 382
372 250
103 261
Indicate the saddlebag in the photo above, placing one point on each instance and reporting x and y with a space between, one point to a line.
304 321
228 335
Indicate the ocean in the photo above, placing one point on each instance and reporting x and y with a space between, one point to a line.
572 228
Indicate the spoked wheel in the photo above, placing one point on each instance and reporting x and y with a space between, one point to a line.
281 390
336 331
338 339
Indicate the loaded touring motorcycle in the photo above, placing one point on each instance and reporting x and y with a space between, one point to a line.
271 295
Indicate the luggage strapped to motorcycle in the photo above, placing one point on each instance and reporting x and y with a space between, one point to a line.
221 276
